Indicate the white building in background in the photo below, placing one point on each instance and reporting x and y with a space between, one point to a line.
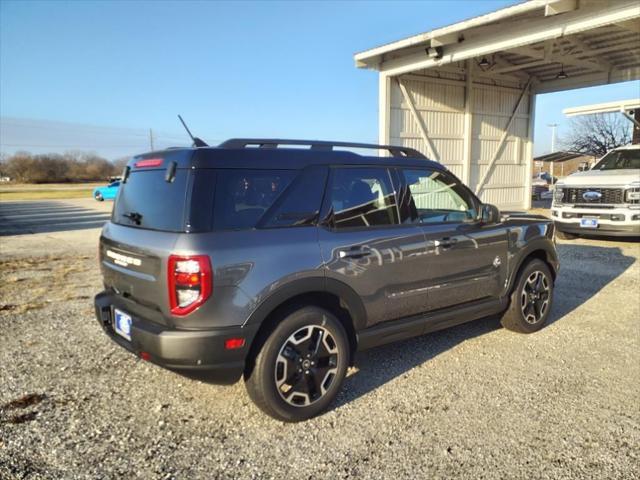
465 94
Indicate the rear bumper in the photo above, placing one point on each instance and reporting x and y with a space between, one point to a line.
194 353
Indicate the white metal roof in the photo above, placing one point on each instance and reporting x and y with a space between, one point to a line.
608 107
591 42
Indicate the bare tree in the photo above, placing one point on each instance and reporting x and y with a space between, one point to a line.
597 134
53 167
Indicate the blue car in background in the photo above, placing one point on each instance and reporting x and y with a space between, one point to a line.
107 193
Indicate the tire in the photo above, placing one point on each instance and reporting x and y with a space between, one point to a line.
292 397
98 196
565 235
531 299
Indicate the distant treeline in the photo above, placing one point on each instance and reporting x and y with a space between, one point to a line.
56 168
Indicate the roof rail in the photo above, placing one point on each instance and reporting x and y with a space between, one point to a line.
318 145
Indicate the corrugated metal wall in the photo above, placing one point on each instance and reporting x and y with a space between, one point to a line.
440 103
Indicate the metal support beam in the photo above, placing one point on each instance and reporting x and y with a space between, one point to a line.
384 111
562 6
502 141
500 61
565 59
631 119
528 157
588 50
433 154
468 124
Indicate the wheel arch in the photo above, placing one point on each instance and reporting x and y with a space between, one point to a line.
540 251
332 295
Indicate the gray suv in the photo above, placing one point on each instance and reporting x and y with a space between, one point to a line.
278 264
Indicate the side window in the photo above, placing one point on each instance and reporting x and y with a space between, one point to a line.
300 204
362 197
243 196
437 197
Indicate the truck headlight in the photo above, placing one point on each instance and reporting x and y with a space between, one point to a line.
633 194
558 195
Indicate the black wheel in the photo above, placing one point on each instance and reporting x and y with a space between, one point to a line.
531 299
98 197
300 368
565 235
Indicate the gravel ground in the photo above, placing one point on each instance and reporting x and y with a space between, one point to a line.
474 401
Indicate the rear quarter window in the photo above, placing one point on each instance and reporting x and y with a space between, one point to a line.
243 196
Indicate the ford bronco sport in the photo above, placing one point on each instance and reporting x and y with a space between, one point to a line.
278 264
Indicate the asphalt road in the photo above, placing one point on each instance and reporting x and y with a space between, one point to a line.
45 216
474 401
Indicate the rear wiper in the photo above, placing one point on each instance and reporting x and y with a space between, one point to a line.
135 217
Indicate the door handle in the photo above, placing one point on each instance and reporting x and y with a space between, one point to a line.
355 252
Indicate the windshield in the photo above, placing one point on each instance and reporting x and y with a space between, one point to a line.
619 159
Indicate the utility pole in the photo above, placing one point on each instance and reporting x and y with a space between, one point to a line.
151 139
553 148
553 136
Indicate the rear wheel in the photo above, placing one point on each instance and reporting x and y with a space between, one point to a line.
98 196
300 368
531 299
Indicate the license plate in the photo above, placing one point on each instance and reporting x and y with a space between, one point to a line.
122 324
589 222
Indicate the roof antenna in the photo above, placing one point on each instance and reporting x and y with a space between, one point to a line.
196 141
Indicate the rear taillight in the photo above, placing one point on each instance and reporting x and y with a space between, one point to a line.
190 282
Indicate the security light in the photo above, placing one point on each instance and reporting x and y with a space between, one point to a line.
434 52
561 75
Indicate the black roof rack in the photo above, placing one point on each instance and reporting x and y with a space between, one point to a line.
318 145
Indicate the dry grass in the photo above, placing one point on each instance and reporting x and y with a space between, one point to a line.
27 284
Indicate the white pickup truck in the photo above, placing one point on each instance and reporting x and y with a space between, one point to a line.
602 201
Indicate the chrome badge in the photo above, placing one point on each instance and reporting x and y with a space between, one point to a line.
123 260
591 196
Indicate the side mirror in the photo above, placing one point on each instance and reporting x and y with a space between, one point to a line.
489 214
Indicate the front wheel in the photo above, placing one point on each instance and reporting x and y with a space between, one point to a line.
300 368
531 299
98 196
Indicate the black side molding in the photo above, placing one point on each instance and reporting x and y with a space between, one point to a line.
396 330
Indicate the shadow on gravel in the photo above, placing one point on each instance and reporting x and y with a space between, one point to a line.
18 218
584 271
383 364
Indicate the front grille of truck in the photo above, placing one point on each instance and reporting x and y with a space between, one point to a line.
610 196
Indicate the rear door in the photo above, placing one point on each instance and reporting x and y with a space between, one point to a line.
365 246
465 260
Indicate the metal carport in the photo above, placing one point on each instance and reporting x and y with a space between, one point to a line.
465 94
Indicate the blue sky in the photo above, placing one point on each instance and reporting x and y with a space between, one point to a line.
85 75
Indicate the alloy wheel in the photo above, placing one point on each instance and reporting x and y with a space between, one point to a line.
535 297
306 365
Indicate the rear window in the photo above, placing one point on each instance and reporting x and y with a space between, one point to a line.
147 200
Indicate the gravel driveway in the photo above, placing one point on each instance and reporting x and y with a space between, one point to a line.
475 401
